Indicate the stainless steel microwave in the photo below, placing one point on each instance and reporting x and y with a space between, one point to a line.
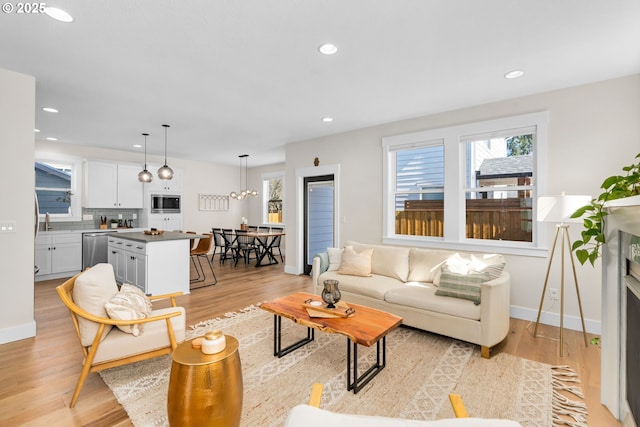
165 203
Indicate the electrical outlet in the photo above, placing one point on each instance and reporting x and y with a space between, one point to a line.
553 292
119 216
134 216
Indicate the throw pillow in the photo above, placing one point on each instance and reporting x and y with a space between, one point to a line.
354 263
91 290
492 264
465 286
129 304
455 264
335 258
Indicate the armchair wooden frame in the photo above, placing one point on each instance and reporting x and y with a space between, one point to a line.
65 291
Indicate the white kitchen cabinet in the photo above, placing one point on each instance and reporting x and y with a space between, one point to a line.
169 222
129 261
157 267
112 185
173 185
58 255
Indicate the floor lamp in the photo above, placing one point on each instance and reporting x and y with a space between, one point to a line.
558 210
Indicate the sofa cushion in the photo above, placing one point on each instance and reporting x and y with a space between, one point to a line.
92 289
423 296
391 261
375 286
335 258
118 344
424 264
492 264
129 304
456 263
356 263
466 286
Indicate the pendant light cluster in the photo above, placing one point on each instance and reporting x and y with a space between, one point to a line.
246 192
165 172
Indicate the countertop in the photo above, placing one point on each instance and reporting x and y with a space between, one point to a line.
166 236
89 230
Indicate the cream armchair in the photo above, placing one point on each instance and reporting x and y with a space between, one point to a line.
312 416
103 344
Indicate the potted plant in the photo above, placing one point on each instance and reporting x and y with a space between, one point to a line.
615 187
114 223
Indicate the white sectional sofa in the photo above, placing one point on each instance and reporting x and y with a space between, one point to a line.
417 284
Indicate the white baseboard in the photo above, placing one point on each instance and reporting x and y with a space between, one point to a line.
553 319
18 332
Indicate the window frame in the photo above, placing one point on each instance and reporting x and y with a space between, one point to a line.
266 177
455 138
76 189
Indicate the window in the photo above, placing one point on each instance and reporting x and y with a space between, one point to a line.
273 191
467 185
419 194
56 183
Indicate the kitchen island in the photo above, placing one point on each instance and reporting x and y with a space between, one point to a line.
157 264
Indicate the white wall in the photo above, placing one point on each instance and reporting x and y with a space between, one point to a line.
594 130
17 115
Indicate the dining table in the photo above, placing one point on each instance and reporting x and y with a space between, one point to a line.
265 241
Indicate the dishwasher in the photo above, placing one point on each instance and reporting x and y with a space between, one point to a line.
94 248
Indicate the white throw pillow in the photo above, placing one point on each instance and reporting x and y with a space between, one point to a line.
335 258
129 304
454 264
354 263
492 264
91 290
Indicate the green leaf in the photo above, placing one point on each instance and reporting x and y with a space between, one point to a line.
609 182
593 256
576 245
582 255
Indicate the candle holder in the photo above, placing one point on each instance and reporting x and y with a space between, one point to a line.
331 294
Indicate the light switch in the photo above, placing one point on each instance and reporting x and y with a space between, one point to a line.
7 226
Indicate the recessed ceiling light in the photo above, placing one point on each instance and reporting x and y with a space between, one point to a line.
58 14
514 74
49 110
137 146
50 138
327 119
328 49
36 130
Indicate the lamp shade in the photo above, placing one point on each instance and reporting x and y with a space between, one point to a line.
559 209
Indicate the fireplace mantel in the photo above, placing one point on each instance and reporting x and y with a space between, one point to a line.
624 217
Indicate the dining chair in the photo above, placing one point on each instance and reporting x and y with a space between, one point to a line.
218 243
230 245
246 245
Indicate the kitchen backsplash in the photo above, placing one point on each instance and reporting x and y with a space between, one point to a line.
127 216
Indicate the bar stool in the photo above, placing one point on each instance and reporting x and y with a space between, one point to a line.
200 251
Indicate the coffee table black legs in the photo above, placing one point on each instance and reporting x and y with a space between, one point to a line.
356 382
277 338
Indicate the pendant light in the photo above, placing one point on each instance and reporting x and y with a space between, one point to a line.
145 175
165 172
246 192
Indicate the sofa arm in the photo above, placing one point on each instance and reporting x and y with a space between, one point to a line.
494 310
319 265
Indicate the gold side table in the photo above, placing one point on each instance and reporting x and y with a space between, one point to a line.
205 389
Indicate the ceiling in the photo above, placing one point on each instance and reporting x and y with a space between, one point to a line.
245 76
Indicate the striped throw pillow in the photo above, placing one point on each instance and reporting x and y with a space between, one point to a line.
465 286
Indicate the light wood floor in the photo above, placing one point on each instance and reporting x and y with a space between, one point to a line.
38 375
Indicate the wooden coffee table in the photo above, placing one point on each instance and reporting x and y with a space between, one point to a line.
366 327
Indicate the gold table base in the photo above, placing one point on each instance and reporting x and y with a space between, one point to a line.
205 389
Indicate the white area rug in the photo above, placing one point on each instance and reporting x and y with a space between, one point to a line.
422 369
